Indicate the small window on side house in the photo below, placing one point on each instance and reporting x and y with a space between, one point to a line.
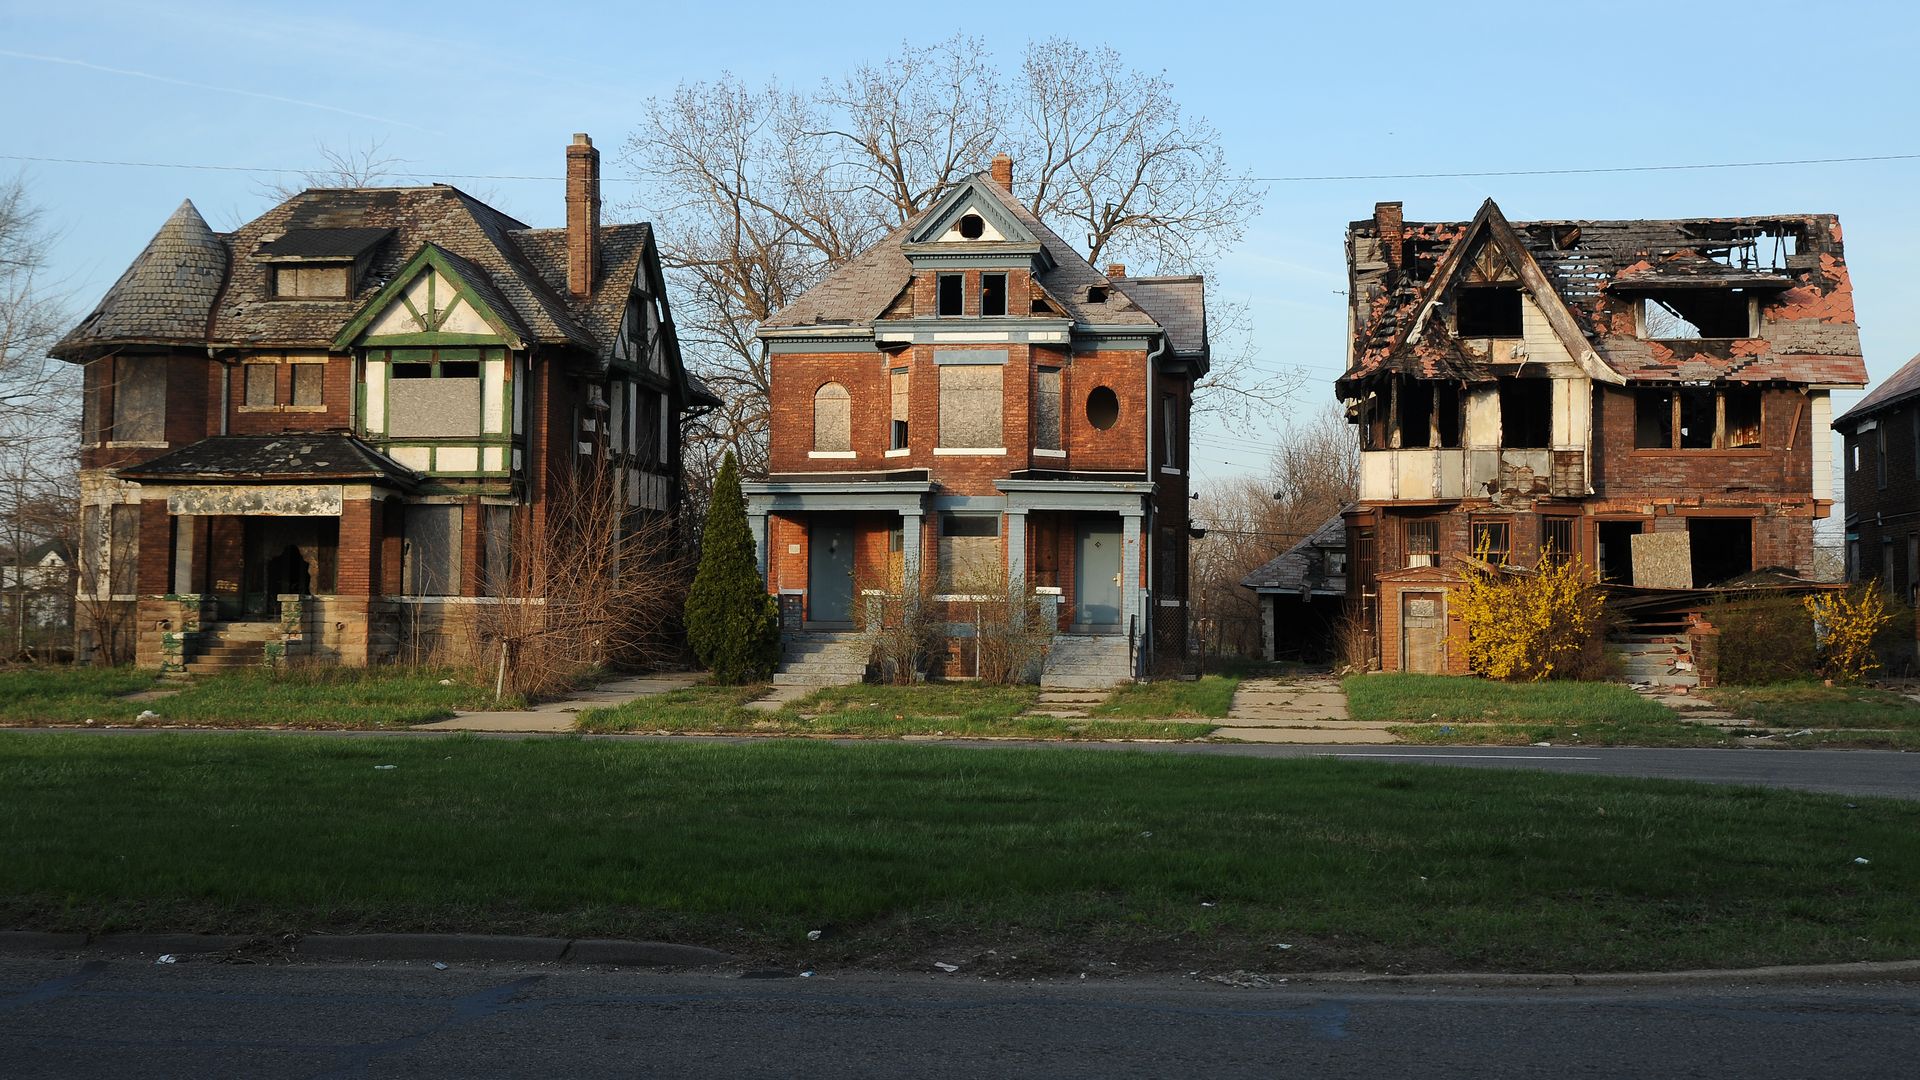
260 390
993 294
952 289
1526 413
1880 455
1488 313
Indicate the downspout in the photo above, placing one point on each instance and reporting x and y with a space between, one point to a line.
1153 484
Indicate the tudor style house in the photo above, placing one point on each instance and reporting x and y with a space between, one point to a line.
317 434
970 403
1652 396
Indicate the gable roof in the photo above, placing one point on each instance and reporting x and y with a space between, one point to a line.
164 297
1178 304
1302 567
857 292
1896 389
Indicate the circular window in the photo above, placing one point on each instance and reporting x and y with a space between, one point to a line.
1103 408
973 227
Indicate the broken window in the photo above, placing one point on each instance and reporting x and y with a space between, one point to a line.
1691 314
970 552
1416 414
952 291
1373 421
832 419
1556 538
898 386
1449 415
1046 409
993 294
310 282
412 371
1423 542
432 549
258 380
139 400
1526 413
1696 419
1743 418
1721 548
1491 541
309 381
1488 313
1653 419
970 400
1616 549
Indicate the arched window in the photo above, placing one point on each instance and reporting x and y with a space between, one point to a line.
832 419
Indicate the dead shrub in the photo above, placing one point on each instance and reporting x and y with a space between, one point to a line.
1772 640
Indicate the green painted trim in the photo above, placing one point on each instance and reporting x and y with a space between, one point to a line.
432 338
429 255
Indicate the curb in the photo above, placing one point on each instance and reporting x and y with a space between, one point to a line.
497 947
1863 971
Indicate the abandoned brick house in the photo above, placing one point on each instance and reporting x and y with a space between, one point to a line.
317 434
1881 471
971 394
1570 386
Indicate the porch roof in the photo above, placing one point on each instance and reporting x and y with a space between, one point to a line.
1119 493
901 491
288 458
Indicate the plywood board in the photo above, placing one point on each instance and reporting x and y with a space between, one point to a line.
1663 560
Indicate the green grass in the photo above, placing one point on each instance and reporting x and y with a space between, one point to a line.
299 697
1439 698
1054 861
1209 696
951 709
1812 705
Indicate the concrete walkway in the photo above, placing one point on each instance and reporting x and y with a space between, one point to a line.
1303 709
556 716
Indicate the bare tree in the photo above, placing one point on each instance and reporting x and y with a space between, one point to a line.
353 167
762 192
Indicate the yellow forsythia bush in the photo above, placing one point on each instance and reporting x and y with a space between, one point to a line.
1524 627
1846 625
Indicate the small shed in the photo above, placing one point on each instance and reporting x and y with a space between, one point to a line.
1303 594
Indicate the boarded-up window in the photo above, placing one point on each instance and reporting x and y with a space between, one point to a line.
91 544
139 400
970 399
832 419
902 407
432 566
646 419
99 373
310 281
123 547
308 383
970 553
429 399
259 385
497 576
1423 543
1046 409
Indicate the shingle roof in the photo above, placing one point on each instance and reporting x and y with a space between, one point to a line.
1178 304
323 243
1303 566
856 293
165 295
293 456
1899 387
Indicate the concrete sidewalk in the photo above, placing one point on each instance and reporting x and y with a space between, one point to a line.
1302 709
558 716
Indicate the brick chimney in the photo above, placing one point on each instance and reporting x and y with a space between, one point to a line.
1116 270
583 215
1003 171
1389 221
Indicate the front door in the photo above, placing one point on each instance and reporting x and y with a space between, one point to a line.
1423 632
1096 578
830 574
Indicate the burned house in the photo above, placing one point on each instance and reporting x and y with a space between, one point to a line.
320 434
1649 396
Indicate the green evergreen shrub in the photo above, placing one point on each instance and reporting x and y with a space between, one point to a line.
732 624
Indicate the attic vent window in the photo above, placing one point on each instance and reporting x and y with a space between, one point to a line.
1488 313
973 227
1096 294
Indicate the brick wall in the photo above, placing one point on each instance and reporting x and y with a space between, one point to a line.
336 395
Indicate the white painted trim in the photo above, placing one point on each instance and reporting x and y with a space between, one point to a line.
1169 603
902 452
1047 590
1050 453
947 598
837 455
968 451
1169 470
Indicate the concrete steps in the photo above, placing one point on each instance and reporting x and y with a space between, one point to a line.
1655 659
813 658
219 647
1086 662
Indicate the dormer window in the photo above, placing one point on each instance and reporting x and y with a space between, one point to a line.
973 226
1488 313
318 264
312 282
953 289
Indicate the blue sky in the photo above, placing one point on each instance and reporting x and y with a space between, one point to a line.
490 88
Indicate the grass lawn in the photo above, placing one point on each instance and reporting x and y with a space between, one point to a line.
952 709
1055 861
1441 698
1210 695
302 697
1811 705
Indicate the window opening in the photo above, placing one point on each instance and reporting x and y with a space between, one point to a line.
1491 541
413 371
970 552
993 294
1526 413
460 369
1169 431
1880 455
309 384
139 399
1743 418
1488 313
1423 543
1696 419
1103 408
832 419
1616 549
310 281
1416 414
973 226
1692 314
971 396
1556 539
1722 548
1653 419
952 291
901 403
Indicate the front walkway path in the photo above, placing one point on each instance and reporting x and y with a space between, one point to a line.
559 715
1302 709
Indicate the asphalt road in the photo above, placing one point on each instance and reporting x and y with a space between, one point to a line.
69 1018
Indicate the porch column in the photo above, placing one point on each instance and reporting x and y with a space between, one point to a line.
1130 570
1017 548
757 525
910 550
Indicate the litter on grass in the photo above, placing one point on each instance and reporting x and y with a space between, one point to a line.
1859 861
147 716
948 968
438 966
813 935
386 766
167 958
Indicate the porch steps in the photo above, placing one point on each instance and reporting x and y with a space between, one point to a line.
1655 659
1086 662
227 646
814 658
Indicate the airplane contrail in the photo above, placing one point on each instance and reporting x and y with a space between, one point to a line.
217 89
